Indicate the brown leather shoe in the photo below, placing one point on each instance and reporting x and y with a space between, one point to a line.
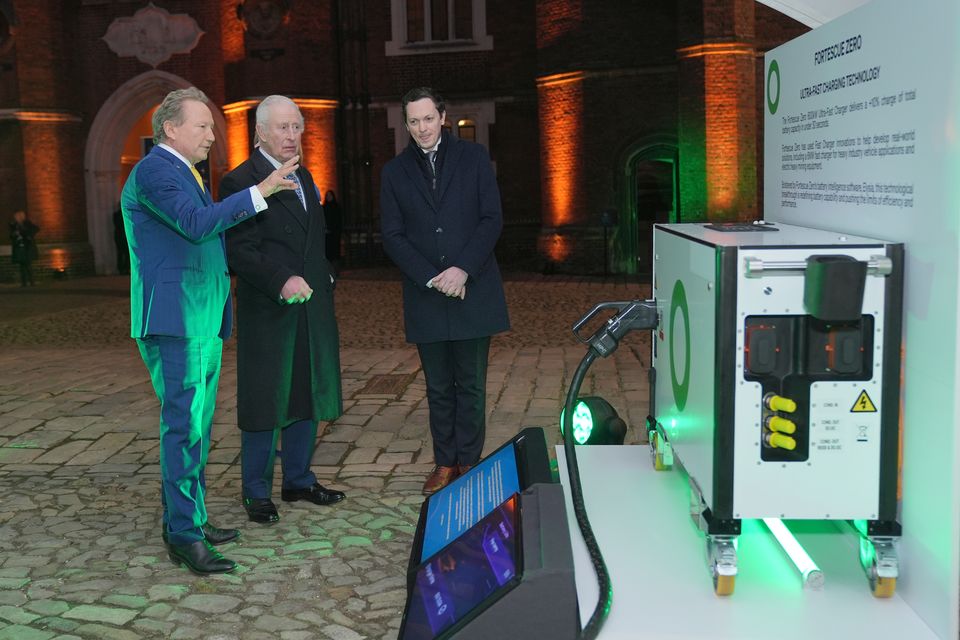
441 477
463 468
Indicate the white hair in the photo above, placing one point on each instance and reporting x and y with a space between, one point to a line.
263 110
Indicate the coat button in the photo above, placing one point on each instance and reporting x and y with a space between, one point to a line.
288 229
443 258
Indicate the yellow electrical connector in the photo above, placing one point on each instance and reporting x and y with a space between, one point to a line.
778 403
776 423
780 441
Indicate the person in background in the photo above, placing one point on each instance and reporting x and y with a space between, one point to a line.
120 242
441 218
288 348
334 218
180 308
23 246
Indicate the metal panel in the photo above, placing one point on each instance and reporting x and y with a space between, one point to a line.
684 287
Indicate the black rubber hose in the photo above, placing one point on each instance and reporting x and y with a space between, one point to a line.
605 598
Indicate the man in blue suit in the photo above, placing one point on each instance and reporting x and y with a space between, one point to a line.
441 218
180 308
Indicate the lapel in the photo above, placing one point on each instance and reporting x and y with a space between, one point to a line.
203 192
450 160
185 173
286 200
315 221
408 160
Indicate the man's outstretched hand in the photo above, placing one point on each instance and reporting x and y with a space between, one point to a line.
277 181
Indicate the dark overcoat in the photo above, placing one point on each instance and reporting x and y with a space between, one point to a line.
288 355
23 248
425 232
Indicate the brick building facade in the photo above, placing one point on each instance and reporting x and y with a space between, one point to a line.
601 116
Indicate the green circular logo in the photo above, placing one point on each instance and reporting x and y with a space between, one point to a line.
773 103
678 303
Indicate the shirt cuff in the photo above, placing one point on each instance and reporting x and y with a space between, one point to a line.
430 283
259 203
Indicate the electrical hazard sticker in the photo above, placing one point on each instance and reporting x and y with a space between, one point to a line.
863 404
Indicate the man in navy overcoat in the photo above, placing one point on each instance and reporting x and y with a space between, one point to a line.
441 218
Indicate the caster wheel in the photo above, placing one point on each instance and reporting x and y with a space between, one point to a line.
883 587
723 585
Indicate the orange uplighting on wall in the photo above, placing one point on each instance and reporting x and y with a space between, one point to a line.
557 247
58 259
561 112
557 20
239 143
319 141
231 33
721 127
730 170
47 199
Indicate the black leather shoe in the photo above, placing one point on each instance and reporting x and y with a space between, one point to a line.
217 536
317 494
214 535
200 557
261 510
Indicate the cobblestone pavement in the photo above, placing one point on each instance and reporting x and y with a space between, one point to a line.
80 549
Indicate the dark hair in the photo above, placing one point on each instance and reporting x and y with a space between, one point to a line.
419 93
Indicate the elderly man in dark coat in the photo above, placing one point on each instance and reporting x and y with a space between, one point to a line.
441 218
288 362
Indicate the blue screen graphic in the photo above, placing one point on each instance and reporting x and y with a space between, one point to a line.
459 505
465 577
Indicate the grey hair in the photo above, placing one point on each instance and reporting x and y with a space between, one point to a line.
263 109
171 110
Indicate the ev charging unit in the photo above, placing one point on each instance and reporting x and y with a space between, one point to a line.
776 382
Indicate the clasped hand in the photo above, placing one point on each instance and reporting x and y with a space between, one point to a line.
451 282
296 290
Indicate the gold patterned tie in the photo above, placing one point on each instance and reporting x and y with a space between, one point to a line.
196 174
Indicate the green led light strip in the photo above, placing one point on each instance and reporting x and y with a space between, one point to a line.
812 576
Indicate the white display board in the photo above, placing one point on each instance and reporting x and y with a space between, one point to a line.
862 135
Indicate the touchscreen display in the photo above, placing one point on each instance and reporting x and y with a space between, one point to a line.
460 504
467 576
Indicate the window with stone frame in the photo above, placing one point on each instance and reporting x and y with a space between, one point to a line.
434 26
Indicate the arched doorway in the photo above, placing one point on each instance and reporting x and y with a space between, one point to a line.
648 193
105 150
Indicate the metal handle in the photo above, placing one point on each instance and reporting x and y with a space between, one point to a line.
755 267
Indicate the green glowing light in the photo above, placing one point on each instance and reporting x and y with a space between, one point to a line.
582 422
812 576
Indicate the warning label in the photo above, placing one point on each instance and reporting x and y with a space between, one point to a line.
863 404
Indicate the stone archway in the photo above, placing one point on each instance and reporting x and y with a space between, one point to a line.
632 242
101 160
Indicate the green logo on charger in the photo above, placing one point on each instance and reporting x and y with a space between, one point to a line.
773 102
678 303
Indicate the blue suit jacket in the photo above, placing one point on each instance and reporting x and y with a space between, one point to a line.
179 283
